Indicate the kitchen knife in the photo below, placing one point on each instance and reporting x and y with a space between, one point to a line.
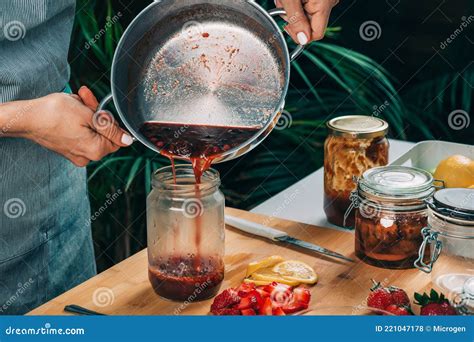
277 235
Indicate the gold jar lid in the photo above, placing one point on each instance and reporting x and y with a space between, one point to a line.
358 126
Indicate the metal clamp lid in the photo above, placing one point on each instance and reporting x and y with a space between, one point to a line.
429 238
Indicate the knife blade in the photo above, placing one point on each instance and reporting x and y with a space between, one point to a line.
278 235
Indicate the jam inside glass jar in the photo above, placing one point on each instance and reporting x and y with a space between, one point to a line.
354 145
391 213
185 233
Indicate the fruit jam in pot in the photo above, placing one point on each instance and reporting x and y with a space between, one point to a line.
390 214
185 232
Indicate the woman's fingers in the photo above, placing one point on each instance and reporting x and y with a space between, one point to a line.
319 12
104 124
88 98
298 26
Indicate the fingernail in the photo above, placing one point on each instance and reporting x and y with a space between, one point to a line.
302 39
127 140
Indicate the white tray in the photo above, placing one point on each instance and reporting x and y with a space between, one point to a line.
427 155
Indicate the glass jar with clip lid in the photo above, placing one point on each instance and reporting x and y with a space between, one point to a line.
449 239
391 212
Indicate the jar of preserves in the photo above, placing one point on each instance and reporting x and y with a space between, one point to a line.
390 214
185 233
355 144
449 239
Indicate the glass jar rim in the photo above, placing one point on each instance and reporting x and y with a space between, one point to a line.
396 183
163 179
449 226
358 127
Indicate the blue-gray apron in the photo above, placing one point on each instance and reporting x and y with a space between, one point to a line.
45 237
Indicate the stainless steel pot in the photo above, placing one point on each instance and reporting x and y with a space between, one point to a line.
206 62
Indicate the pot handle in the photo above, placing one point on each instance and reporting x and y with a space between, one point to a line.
299 49
101 108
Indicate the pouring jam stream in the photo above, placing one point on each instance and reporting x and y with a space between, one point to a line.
179 276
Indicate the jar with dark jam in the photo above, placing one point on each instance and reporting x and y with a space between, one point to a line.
354 145
391 211
185 232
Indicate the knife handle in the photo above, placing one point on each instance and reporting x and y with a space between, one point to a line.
254 228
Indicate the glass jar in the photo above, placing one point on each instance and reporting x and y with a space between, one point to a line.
391 212
185 232
354 145
449 238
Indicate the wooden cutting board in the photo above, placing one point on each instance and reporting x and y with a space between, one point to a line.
124 289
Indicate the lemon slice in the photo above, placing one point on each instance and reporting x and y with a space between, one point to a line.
256 282
297 271
267 274
268 262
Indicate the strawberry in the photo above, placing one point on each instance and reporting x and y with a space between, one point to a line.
280 294
266 308
226 312
294 306
263 293
434 304
399 296
248 312
224 300
298 301
278 312
302 295
381 296
252 300
245 288
399 310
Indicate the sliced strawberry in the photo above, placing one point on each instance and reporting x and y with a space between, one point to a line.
245 288
263 293
275 286
266 308
294 306
281 294
248 312
252 300
225 299
278 312
302 295
226 312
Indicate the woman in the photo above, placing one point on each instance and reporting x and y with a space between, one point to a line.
47 138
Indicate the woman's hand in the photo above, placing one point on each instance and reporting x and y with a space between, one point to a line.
307 19
66 124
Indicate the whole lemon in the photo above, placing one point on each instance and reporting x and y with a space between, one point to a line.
456 172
